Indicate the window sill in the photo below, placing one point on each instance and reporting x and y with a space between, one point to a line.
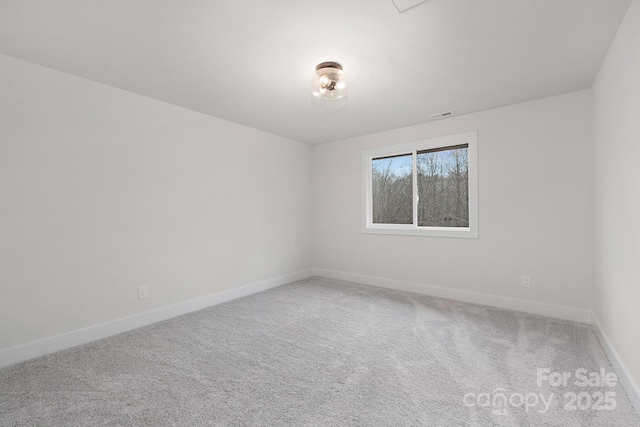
461 233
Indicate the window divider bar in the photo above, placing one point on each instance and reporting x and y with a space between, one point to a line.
415 188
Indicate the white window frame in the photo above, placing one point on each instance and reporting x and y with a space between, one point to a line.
471 232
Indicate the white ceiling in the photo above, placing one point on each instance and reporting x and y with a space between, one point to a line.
251 61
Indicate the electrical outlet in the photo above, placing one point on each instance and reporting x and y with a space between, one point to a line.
333 259
143 292
525 281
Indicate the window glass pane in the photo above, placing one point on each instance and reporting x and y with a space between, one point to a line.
443 187
393 190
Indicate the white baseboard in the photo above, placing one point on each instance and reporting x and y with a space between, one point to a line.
38 348
627 381
550 310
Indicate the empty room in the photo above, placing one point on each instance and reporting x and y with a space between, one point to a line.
338 213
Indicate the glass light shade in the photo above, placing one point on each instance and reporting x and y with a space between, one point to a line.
329 81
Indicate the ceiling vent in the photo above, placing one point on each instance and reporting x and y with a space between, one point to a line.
441 115
403 5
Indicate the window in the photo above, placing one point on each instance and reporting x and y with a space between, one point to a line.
426 188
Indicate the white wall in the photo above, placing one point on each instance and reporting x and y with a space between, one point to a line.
102 191
535 207
616 135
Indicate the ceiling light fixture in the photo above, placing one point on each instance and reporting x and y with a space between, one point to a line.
329 81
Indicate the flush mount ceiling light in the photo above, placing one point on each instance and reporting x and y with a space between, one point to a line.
329 81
